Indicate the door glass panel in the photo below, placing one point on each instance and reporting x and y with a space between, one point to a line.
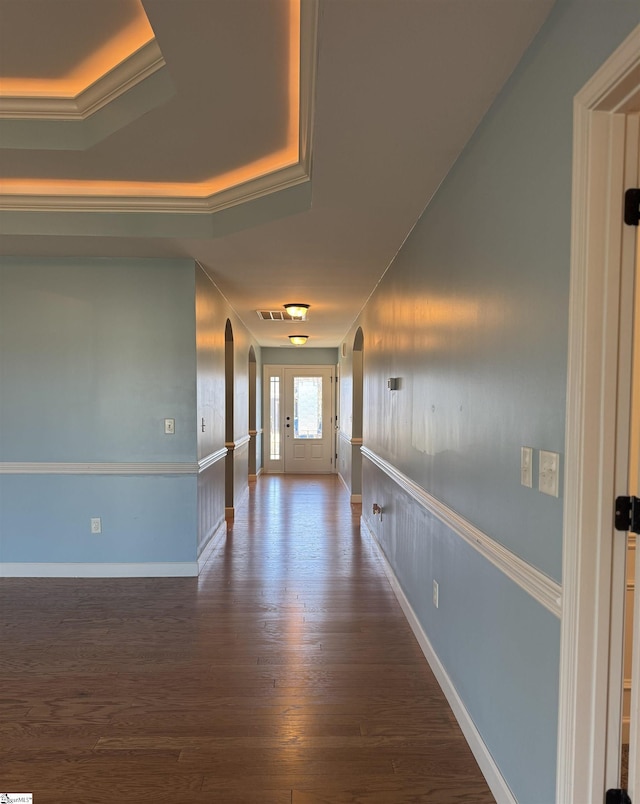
307 411
274 424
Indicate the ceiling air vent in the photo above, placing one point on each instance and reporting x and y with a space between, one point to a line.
274 315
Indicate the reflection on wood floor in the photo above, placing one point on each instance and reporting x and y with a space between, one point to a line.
285 674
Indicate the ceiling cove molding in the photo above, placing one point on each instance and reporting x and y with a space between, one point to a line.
275 181
241 193
141 64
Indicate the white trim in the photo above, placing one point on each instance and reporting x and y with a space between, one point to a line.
488 767
356 499
584 758
251 190
57 468
144 62
241 442
211 545
542 588
151 569
213 457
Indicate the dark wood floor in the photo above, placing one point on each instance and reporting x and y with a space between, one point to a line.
285 674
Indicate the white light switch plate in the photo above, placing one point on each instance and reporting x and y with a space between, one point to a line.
549 472
169 426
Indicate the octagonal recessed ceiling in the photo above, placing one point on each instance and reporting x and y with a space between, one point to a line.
125 176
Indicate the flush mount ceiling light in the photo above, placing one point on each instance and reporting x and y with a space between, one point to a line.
298 340
297 310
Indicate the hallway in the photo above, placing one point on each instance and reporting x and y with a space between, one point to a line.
285 674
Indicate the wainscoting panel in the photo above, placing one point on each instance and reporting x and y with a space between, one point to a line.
46 519
496 643
210 498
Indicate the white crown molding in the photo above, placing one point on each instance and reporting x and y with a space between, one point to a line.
57 468
251 190
209 460
144 62
490 770
168 569
542 588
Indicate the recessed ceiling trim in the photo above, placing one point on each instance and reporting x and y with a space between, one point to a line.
238 194
144 62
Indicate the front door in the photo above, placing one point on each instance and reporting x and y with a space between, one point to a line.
308 431
299 409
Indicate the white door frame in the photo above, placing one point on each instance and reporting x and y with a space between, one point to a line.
598 330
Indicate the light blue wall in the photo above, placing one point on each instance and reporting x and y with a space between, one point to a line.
94 354
472 317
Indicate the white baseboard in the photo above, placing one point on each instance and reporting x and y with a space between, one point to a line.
356 499
490 770
210 546
159 569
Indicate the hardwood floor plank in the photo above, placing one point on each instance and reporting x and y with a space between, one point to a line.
285 674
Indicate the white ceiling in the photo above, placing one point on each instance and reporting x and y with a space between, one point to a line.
400 86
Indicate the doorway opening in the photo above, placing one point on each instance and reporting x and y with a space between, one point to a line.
603 266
